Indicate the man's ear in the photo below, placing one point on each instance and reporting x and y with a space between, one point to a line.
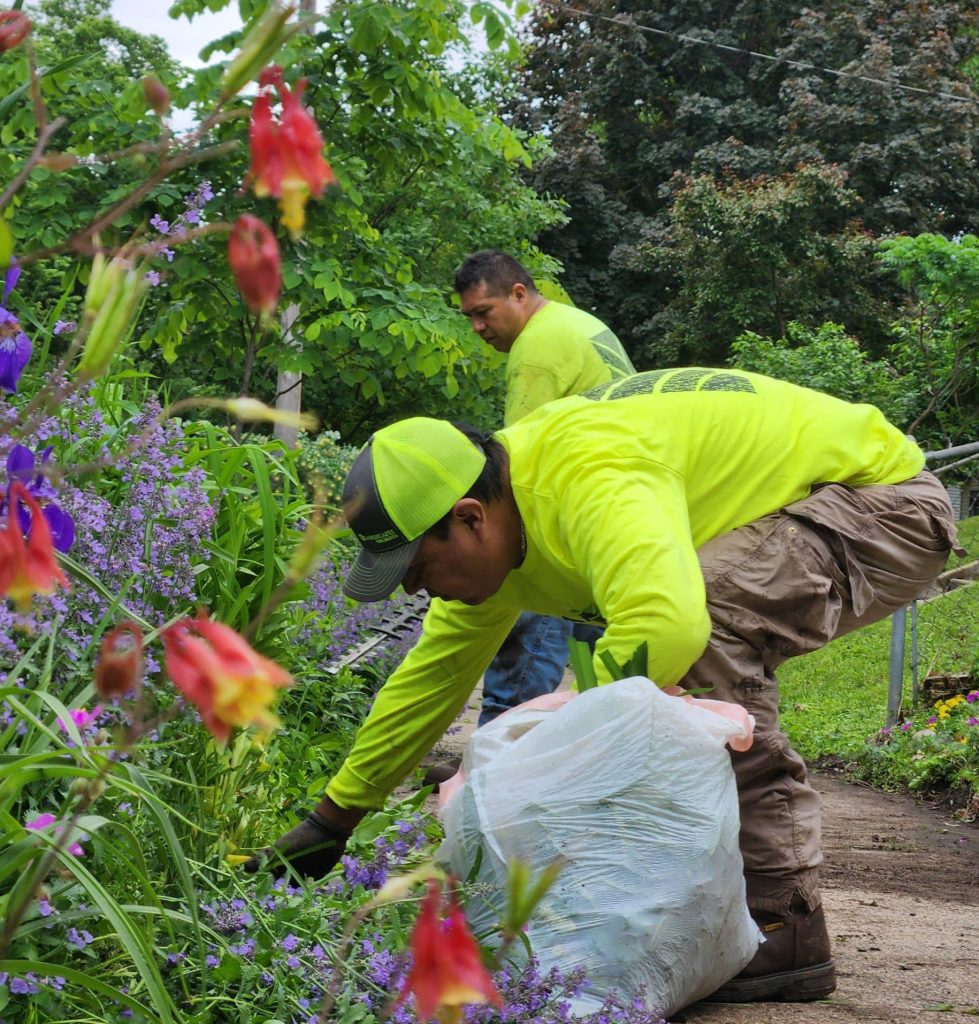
518 292
471 512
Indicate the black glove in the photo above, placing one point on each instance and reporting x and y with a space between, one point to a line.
311 849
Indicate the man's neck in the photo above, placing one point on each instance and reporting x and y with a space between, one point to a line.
538 304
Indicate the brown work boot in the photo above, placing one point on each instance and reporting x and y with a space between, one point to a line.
793 963
439 771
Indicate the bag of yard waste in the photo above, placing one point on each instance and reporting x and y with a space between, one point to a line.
632 791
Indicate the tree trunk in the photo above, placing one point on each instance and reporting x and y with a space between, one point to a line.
289 384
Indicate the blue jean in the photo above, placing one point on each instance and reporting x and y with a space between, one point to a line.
531 661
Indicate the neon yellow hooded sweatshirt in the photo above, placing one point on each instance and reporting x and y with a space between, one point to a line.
617 489
561 351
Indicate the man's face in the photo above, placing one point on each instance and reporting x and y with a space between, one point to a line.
468 566
496 317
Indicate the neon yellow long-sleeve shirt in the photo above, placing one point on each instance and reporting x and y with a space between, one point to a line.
561 351
617 489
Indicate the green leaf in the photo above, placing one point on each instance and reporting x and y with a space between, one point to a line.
579 654
65 65
6 244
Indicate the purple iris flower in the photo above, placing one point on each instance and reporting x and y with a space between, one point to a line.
20 466
15 346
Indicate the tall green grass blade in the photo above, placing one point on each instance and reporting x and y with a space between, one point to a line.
135 944
158 810
270 519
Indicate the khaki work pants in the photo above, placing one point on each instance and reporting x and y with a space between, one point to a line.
787 584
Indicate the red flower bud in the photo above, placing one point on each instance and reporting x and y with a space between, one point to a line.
157 95
120 661
253 254
14 27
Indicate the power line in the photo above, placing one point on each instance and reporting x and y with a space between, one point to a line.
803 65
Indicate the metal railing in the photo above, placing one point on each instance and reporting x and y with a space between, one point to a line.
962 454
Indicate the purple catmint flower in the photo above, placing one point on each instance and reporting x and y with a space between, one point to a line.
243 949
154 574
25 986
160 224
229 918
154 277
78 939
65 327
15 346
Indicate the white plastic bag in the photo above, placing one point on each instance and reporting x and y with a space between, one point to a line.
634 791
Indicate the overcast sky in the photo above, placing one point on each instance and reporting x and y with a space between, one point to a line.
184 38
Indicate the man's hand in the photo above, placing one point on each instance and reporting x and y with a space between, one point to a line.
311 849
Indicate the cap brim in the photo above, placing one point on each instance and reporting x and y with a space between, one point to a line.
376 574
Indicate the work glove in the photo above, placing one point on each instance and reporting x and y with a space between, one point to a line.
311 849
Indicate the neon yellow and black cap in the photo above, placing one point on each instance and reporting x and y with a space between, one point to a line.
408 476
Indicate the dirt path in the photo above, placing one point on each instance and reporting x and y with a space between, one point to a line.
901 891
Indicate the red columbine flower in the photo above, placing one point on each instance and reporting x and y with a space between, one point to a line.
27 567
253 254
230 684
287 155
14 27
447 972
120 661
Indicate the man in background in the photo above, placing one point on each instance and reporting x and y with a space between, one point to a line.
553 350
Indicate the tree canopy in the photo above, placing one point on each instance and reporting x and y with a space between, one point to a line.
641 99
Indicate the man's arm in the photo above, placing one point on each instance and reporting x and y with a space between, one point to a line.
421 699
410 713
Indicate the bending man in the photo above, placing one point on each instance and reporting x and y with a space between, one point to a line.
728 520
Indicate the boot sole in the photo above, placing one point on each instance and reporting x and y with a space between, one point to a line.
800 986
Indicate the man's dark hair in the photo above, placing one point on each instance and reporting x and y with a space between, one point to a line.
498 271
490 485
